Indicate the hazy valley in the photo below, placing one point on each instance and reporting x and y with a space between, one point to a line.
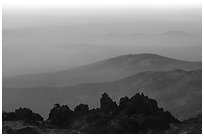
102 67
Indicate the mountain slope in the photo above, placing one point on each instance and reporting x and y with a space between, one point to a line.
178 91
103 71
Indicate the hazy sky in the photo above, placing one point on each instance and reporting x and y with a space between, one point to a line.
51 35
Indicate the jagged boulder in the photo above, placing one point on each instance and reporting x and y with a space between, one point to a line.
60 115
138 114
140 104
81 110
107 105
141 115
123 102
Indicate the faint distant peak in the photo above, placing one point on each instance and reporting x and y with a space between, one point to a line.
138 57
123 34
111 33
141 55
171 33
139 34
138 60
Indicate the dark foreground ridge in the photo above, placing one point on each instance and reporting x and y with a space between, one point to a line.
138 114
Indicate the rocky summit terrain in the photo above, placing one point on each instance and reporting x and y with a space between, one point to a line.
137 114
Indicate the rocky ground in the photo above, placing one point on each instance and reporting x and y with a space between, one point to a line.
191 126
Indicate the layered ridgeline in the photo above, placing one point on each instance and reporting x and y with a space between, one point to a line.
102 71
177 91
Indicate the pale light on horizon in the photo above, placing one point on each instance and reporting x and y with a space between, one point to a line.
99 3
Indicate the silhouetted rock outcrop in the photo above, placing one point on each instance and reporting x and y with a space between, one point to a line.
60 115
81 110
123 102
107 105
139 104
138 114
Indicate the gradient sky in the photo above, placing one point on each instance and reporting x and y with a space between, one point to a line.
51 35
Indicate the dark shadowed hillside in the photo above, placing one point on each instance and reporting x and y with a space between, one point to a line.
178 91
103 71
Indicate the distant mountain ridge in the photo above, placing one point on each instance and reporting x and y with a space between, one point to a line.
102 71
170 33
177 33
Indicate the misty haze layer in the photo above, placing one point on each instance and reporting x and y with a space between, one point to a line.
44 40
